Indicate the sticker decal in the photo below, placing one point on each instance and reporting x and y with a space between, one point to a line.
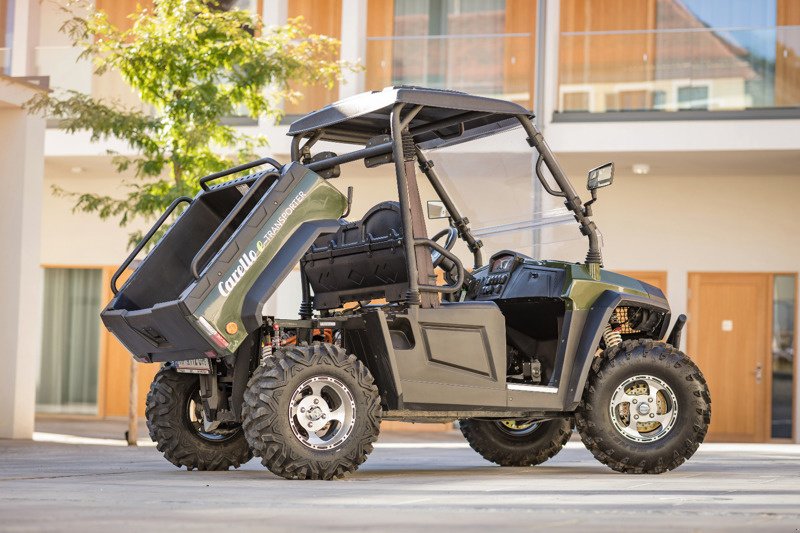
249 257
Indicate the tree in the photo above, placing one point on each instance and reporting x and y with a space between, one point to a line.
192 62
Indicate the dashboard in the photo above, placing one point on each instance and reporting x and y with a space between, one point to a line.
498 274
502 263
513 275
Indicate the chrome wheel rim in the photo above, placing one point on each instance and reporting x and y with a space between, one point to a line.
322 413
518 428
643 408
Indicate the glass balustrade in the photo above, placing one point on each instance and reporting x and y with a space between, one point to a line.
496 65
679 69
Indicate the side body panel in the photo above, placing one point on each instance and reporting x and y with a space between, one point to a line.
277 231
452 357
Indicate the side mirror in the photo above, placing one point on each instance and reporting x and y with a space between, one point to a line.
436 209
600 177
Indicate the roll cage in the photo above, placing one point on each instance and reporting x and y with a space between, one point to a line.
394 125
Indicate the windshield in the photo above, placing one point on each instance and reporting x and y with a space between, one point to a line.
492 181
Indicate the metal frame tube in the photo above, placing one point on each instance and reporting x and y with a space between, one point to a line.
412 297
233 170
459 221
146 239
378 149
572 201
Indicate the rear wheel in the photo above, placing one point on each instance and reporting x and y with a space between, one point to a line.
175 421
517 442
645 409
311 412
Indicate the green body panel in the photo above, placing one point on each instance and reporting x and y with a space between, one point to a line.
581 290
312 199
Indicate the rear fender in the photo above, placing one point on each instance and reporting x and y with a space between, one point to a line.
279 267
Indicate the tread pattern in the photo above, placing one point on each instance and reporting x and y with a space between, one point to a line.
663 455
181 446
500 448
266 424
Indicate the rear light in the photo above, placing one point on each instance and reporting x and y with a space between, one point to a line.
213 334
219 340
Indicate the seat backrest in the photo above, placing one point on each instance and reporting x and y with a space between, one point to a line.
363 260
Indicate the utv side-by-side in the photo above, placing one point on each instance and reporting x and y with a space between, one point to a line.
392 325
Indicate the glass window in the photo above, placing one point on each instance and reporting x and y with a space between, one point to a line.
693 97
481 47
666 55
783 346
70 341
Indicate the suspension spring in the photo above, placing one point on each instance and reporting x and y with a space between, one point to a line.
612 336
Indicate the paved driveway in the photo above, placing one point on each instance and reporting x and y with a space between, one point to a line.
410 482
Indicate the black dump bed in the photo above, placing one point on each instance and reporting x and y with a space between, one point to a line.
150 310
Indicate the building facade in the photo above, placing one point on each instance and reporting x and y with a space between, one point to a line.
696 101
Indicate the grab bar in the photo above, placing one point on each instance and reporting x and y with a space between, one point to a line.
233 170
145 239
445 289
227 221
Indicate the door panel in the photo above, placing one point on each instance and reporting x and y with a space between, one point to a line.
323 17
456 357
728 337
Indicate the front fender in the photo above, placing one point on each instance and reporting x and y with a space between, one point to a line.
598 316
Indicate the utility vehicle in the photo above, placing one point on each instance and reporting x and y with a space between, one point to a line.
392 325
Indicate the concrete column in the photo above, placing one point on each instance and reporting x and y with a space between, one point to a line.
276 12
354 45
21 279
549 83
25 38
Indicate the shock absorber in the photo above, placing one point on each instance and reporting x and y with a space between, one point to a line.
612 336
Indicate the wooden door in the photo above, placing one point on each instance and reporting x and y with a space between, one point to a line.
324 17
728 337
519 66
380 23
115 369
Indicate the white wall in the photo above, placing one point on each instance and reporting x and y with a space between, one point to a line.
700 223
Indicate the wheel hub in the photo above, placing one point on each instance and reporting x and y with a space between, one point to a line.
643 408
518 428
322 412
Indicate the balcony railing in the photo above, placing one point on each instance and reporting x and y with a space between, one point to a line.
497 65
680 69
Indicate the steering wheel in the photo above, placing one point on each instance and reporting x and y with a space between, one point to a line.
452 237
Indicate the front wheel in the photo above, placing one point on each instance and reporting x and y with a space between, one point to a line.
645 408
311 412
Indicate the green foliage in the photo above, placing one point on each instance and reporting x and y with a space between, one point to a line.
191 64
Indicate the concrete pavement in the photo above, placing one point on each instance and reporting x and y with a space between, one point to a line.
410 483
